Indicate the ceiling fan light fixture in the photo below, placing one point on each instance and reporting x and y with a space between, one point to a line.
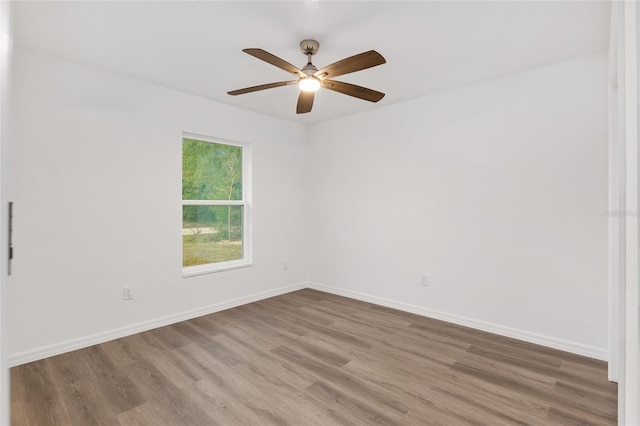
309 84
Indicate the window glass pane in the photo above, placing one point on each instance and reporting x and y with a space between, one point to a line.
211 234
211 171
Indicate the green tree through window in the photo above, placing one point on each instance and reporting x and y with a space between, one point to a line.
213 204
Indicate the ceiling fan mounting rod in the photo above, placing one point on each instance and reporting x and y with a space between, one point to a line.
309 47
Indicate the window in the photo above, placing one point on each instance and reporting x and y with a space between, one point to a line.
215 205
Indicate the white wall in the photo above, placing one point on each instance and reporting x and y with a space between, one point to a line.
97 184
497 191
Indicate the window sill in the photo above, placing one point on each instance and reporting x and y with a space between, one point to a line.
192 271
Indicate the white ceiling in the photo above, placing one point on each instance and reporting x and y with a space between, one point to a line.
195 47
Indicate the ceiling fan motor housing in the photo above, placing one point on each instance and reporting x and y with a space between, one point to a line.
309 69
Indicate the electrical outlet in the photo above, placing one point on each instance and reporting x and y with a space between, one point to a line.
424 280
127 293
285 266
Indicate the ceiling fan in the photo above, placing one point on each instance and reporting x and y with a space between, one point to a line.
310 78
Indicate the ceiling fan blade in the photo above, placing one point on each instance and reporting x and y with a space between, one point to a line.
351 64
261 87
274 60
305 102
352 90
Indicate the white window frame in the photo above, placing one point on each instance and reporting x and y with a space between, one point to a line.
189 271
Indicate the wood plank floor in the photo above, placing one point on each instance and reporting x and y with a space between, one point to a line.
311 358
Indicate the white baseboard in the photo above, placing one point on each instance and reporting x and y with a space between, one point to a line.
539 339
94 339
